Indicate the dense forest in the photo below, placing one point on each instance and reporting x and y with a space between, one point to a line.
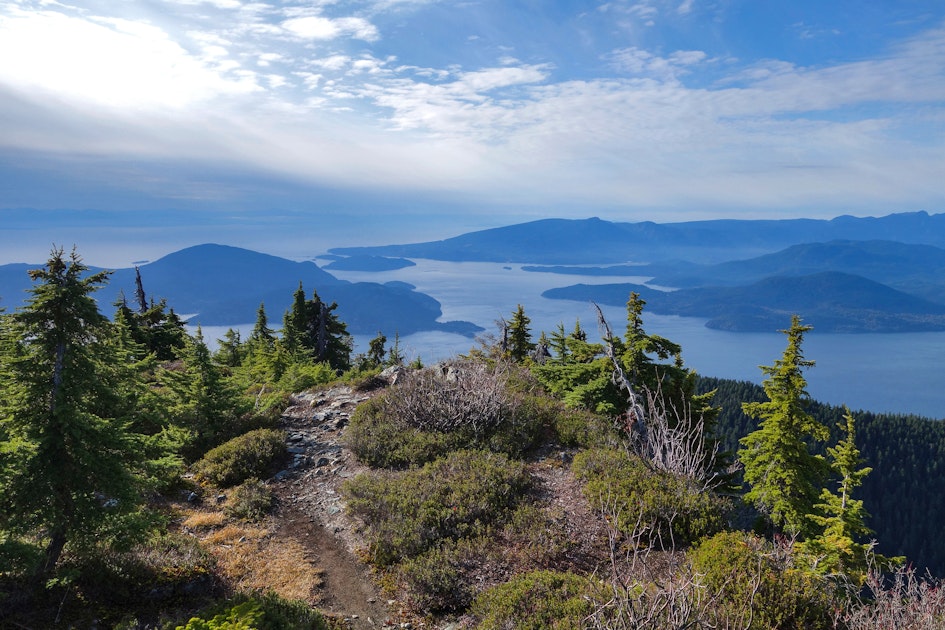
541 480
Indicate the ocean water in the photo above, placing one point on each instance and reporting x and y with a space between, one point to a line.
894 373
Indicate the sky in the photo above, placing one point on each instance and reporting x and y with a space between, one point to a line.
296 126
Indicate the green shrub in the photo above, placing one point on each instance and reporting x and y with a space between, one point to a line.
455 497
657 505
251 500
536 536
379 440
578 427
301 376
541 600
751 579
443 578
260 612
429 414
245 456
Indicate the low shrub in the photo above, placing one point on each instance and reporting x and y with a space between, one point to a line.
381 441
579 427
443 579
541 600
536 536
464 404
259 612
455 497
245 456
250 501
662 508
751 579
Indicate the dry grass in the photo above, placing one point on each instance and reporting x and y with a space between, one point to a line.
202 520
250 558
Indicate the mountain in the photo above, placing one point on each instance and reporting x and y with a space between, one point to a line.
223 286
912 268
594 241
829 301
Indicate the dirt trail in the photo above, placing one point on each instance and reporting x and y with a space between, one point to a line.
311 510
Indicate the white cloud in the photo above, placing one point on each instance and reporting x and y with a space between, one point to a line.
321 28
111 62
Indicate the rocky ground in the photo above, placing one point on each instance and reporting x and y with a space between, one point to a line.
311 509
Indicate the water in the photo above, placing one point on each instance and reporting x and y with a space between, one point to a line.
895 373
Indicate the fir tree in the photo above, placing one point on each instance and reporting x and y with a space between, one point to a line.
784 477
71 465
841 518
520 336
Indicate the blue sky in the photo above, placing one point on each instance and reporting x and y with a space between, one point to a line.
400 120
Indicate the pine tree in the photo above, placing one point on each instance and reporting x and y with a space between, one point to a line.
784 477
520 337
376 350
841 518
262 336
71 465
201 399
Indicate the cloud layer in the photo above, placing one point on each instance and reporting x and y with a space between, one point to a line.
467 100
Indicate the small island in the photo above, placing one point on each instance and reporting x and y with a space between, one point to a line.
369 263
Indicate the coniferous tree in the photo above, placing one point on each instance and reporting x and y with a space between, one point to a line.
201 399
784 477
520 336
840 518
71 464
376 350
262 336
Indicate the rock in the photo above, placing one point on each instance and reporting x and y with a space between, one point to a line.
322 462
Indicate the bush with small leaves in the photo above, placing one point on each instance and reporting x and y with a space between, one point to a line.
541 600
753 580
250 501
442 579
655 505
259 612
456 497
248 455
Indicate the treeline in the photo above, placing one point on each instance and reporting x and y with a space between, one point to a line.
907 454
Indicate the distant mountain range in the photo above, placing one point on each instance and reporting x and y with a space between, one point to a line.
594 241
846 274
223 286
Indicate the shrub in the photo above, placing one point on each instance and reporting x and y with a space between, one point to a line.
656 505
578 427
750 578
250 501
261 612
537 536
465 404
249 455
454 497
537 601
442 578
381 441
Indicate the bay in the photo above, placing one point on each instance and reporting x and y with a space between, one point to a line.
891 373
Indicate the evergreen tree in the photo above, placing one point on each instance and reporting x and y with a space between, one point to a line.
395 356
558 343
71 465
520 336
783 475
376 350
230 349
262 336
840 517
201 399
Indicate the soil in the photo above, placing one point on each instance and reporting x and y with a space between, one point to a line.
311 512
